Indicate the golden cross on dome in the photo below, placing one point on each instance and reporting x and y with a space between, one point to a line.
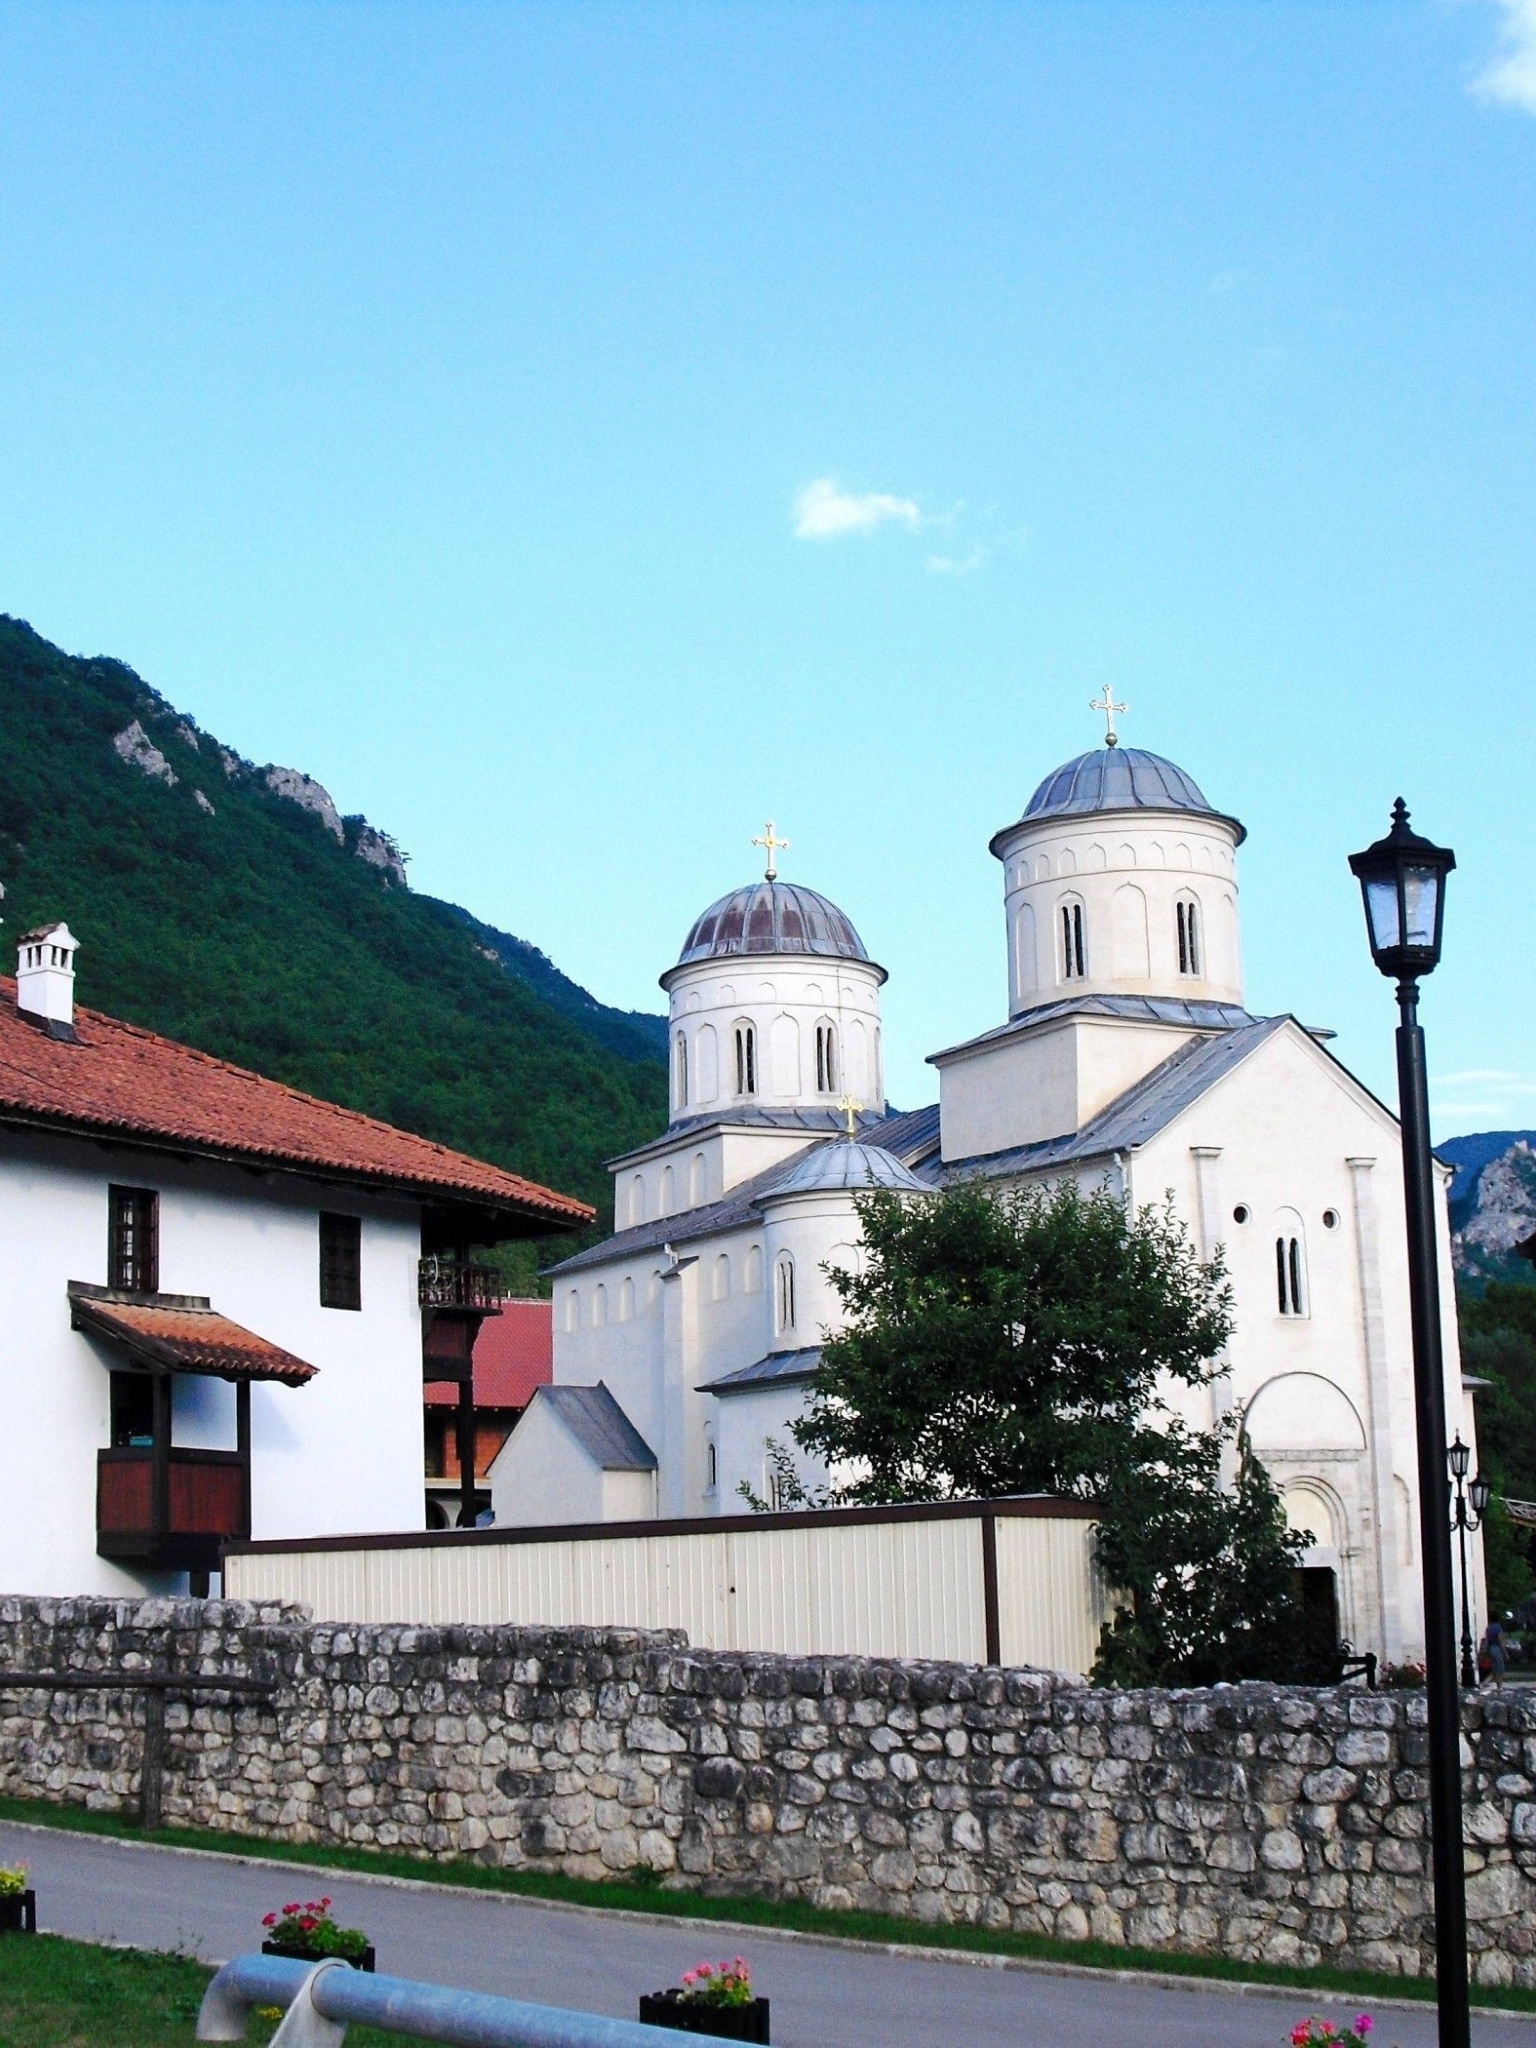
1111 711
850 1109
770 845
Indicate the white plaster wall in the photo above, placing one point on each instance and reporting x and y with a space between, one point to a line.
1161 855
1284 1126
624 1352
1043 1083
745 1423
783 995
541 1475
339 1455
659 1180
805 1228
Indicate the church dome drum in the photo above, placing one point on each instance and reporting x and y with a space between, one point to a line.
771 917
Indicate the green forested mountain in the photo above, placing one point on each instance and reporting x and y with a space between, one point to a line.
258 925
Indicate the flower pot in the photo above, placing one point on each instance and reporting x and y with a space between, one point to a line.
303 1955
694 2016
18 1913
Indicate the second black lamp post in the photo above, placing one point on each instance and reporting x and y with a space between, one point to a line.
1470 1506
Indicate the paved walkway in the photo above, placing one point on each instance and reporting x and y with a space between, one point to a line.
824 1995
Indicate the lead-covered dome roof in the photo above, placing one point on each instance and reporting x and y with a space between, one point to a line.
771 917
846 1164
1118 779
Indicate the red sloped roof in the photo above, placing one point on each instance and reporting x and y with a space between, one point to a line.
185 1335
134 1083
514 1353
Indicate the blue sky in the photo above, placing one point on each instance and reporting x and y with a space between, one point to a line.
578 433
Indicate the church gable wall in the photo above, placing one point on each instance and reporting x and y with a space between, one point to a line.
1313 1163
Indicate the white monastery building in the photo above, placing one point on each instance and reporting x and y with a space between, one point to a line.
690 1338
221 1298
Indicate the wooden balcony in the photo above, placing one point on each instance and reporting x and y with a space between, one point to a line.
443 1283
170 1508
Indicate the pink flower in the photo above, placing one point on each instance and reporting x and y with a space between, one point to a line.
270 1920
1364 2024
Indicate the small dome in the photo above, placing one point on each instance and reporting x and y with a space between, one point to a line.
846 1164
771 917
1117 779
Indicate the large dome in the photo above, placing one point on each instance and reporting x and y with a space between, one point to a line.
1117 779
771 917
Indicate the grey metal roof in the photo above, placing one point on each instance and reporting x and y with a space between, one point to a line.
779 1368
739 1206
812 1121
1137 1009
845 1164
600 1426
735 1208
1140 1113
1116 779
909 1133
771 917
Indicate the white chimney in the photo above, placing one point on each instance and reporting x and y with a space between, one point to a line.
45 977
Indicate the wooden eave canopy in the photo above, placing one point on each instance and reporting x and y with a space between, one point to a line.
181 1333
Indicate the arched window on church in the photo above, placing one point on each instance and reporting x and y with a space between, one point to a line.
784 1293
1191 946
826 1057
668 1196
627 1302
573 1310
711 1469
1074 952
600 1307
697 1176
722 1276
746 1059
1290 1265
637 1199
680 1070
753 1282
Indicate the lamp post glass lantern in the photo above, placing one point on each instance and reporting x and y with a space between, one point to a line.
1471 1504
1402 882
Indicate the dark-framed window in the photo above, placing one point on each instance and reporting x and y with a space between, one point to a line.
341 1261
133 1409
133 1239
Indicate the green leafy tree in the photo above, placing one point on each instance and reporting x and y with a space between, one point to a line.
1498 1344
1025 1343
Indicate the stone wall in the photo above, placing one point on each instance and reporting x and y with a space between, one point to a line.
1253 1821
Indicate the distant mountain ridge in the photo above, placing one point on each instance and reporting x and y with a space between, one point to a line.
231 906
1492 1203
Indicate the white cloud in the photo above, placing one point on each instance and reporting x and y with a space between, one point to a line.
824 511
1510 77
978 556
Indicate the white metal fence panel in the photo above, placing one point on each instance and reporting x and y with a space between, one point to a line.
1051 1602
912 1586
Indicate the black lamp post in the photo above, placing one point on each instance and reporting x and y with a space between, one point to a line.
1464 1518
1402 879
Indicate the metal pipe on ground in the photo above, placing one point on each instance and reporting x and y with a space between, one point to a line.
323 1999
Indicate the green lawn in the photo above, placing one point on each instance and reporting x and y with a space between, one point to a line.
634 1895
68 1994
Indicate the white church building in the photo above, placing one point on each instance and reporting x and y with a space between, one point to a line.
691 1337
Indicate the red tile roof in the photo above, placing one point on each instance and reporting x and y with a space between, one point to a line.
514 1353
182 1333
135 1084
